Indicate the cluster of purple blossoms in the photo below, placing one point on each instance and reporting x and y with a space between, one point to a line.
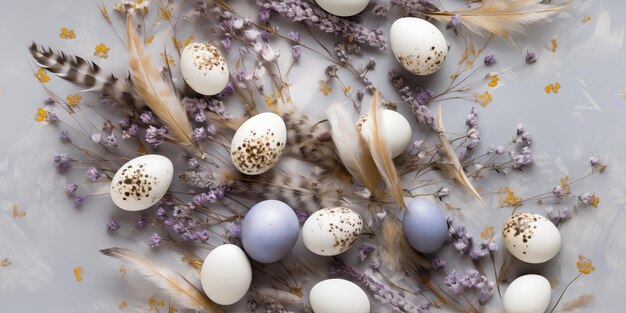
464 243
70 188
364 251
146 117
524 157
155 136
471 279
92 173
472 134
490 59
62 162
416 99
112 225
155 240
415 7
213 195
560 215
65 137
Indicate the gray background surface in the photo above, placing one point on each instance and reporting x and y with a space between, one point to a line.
585 118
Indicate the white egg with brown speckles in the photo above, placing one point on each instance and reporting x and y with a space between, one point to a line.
141 182
343 7
395 130
531 237
418 45
204 68
258 143
331 231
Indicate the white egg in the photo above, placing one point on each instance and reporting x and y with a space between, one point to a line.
418 45
527 294
396 130
531 237
226 274
258 143
204 68
338 296
343 7
331 231
141 182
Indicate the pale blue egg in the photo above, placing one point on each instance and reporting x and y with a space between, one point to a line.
269 231
425 226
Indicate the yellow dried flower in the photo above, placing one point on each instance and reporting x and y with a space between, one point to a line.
508 198
585 266
168 59
346 89
586 19
487 233
553 45
189 40
17 212
74 99
78 273
166 14
42 76
67 33
149 40
102 51
494 81
483 99
324 88
123 305
554 88
42 115
5 262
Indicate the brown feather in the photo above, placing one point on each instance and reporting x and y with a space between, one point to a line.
501 17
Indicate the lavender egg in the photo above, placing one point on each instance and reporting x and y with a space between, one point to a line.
424 225
269 230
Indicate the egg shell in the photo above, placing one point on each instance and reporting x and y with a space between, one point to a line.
343 7
269 230
396 130
424 225
531 237
258 143
226 274
338 296
418 45
204 68
331 231
527 294
141 182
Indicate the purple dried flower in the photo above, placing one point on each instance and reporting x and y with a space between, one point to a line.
455 21
211 129
594 160
472 118
52 117
265 51
438 263
78 201
155 240
588 198
62 162
198 134
191 163
203 235
141 221
160 213
233 230
264 15
124 123
65 136
49 101
296 51
365 251
92 173
499 150
302 215
96 137
154 136
452 282
423 95
294 36
226 43
111 140
490 59
133 130
524 158
360 93
374 263
146 117
265 36
199 117
251 34
112 225
70 189
557 216
484 294
380 9
331 71
531 57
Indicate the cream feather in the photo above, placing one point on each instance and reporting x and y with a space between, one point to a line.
158 93
381 153
454 168
500 17
351 148
182 291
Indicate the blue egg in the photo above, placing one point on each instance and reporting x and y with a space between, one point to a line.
269 230
424 225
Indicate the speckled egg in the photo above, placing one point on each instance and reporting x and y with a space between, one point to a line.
331 231
141 182
338 296
269 230
396 130
527 294
424 225
204 68
418 45
226 274
258 143
531 237
343 7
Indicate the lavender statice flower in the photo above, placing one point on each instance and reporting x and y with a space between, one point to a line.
588 198
416 101
485 293
154 136
198 134
124 123
594 160
487 245
112 225
141 221
490 59
531 56
146 117
52 117
62 162
211 196
415 7
233 231
310 14
364 251
65 137
133 130
524 158
200 179
380 9
438 263
360 93
302 215
294 36
191 163
70 188
203 235
217 106
111 140
78 201
96 137
452 283
472 279
455 21
461 239
200 117
264 15
160 213
155 240
472 118
296 51
331 71
92 173
560 215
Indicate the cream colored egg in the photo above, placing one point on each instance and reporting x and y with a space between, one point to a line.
258 143
527 294
396 130
331 231
141 182
531 237
343 7
226 274
418 45
204 68
338 296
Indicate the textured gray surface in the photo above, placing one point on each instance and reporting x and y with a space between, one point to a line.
585 118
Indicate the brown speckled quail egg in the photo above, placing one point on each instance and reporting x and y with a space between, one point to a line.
141 182
343 7
531 237
331 231
258 143
418 45
204 68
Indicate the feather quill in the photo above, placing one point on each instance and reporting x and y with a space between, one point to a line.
351 148
158 93
185 293
86 74
454 168
501 17
381 153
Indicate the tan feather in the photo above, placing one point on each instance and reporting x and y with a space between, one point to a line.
500 17
578 303
454 168
351 148
181 290
381 153
159 94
